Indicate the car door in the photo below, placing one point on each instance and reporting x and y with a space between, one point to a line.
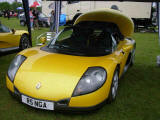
120 54
8 38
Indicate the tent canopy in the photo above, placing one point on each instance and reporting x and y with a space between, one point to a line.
35 4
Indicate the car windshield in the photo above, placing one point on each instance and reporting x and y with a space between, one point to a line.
82 40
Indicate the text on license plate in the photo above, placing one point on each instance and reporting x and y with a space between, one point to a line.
37 103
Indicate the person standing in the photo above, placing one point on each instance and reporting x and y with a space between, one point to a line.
4 13
31 19
36 17
52 23
8 14
18 14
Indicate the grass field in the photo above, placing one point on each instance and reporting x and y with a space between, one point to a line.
138 96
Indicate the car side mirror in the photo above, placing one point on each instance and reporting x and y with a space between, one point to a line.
13 31
43 40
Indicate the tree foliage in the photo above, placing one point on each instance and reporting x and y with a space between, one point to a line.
5 6
15 5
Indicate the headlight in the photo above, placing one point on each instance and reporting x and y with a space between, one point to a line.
14 66
91 80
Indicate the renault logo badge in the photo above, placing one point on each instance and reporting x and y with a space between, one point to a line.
38 85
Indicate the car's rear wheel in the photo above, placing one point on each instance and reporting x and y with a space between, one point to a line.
24 42
114 87
133 57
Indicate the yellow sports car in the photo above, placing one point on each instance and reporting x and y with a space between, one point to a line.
13 39
80 68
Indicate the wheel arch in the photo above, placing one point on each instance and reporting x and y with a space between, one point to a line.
129 58
25 34
109 97
118 67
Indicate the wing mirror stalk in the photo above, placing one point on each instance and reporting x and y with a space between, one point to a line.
13 31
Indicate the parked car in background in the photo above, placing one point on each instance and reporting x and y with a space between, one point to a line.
21 14
43 20
13 14
13 39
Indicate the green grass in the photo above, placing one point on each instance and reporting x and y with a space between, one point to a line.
138 96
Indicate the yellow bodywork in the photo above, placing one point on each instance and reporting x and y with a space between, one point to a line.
59 73
8 39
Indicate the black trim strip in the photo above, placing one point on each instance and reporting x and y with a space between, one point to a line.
8 49
60 107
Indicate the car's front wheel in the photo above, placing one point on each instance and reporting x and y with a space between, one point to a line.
24 42
114 87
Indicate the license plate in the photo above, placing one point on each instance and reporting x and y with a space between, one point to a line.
38 103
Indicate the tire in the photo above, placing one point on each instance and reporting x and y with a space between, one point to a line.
114 87
24 42
133 57
22 23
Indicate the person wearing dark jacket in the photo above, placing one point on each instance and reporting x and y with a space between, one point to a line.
8 14
52 21
36 17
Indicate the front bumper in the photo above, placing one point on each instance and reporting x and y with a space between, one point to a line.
61 105
80 103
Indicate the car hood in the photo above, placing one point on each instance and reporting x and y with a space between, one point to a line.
57 74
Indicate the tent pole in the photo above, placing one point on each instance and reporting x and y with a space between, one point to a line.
158 20
57 15
26 10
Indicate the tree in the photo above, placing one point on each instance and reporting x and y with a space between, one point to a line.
15 5
5 6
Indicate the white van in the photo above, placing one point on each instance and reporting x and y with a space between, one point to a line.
74 8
